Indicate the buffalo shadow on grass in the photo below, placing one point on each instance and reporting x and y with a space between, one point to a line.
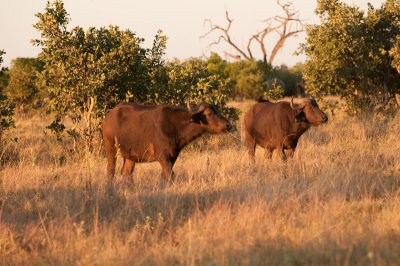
325 251
124 206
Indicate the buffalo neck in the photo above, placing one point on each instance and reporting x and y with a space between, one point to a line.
299 128
186 131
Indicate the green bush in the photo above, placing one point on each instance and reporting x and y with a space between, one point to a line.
88 72
22 87
248 78
348 54
6 106
192 80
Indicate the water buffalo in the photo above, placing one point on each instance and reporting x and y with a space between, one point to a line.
155 133
280 125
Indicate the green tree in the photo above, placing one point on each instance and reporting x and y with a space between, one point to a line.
192 79
22 87
4 78
395 53
88 72
290 76
348 53
250 80
6 106
218 66
247 78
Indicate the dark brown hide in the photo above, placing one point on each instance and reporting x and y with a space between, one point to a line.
155 133
280 125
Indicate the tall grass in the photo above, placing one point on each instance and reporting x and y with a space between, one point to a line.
336 202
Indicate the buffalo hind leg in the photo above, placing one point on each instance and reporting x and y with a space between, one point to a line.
251 145
127 169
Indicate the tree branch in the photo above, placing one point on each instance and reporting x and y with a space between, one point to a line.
280 24
224 35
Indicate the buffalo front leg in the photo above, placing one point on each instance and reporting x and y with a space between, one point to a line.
281 153
166 173
251 145
291 149
268 153
290 152
127 169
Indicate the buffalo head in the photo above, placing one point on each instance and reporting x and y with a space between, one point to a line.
209 118
308 111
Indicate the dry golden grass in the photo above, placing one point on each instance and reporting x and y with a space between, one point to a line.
336 202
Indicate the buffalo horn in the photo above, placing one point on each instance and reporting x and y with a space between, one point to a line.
188 106
296 106
200 109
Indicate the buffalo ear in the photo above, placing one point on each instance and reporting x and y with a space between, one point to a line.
196 118
300 116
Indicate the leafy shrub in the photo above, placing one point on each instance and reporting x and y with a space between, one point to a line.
88 72
22 87
349 54
192 80
6 106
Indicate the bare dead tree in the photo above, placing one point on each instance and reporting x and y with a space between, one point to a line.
286 26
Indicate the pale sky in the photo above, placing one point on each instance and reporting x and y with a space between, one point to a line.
182 22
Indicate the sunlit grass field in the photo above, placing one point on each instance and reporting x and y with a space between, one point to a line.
337 202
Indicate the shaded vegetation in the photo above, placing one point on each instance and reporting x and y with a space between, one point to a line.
348 54
6 106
